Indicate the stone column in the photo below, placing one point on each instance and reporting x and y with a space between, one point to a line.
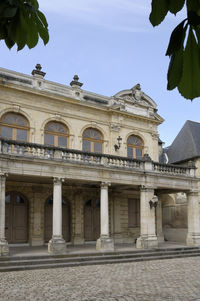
148 238
104 243
57 244
159 229
193 236
4 251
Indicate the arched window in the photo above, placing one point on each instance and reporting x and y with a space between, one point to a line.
135 147
92 141
14 126
56 134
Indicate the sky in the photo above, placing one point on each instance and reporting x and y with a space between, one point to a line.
112 46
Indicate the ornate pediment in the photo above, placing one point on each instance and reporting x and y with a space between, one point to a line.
136 96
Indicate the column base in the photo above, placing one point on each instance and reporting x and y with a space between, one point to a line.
105 244
161 237
57 246
193 240
4 249
147 242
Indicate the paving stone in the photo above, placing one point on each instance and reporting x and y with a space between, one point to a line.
160 280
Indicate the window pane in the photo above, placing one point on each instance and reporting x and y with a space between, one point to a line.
13 118
134 140
56 127
19 199
62 141
49 139
21 135
92 133
50 201
8 198
129 152
138 153
97 147
86 146
6 132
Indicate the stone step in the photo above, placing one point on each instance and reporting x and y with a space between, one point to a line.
80 258
24 263
95 261
72 255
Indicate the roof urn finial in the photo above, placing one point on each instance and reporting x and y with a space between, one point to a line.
37 71
75 82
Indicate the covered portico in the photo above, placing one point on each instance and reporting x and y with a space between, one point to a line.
57 168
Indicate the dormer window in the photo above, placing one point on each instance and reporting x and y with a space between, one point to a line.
135 147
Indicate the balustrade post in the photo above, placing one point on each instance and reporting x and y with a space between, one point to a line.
4 251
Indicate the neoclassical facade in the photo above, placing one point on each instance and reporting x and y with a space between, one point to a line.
77 167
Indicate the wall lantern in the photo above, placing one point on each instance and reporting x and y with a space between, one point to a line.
153 202
119 141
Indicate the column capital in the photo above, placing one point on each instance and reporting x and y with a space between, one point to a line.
3 175
105 184
147 188
58 180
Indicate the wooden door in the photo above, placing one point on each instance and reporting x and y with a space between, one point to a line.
92 220
48 218
16 223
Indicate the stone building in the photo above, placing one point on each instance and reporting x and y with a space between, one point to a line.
185 149
78 167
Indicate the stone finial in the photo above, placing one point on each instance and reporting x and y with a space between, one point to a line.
75 82
37 71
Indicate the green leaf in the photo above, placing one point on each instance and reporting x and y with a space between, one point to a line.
175 69
159 9
176 5
177 38
43 31
32 34
9 43
42 18
189 86
10 12
193 18
193 5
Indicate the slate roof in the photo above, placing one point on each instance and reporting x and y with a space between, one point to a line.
186 145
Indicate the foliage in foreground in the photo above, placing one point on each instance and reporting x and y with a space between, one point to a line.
184 45
22 23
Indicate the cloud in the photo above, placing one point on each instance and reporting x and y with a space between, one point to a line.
114 15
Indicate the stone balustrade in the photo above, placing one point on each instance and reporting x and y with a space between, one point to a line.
40 151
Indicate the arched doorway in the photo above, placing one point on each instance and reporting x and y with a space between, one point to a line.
48 220
92 220
16 222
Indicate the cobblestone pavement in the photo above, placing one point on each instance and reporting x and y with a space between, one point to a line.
175 279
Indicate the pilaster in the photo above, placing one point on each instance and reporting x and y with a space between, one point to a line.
193 236
148 238
4 250
159 228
